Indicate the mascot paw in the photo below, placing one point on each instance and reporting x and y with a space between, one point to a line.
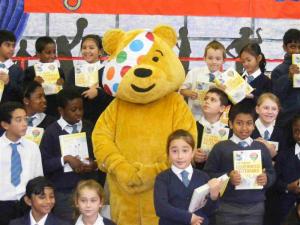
146 173
126 175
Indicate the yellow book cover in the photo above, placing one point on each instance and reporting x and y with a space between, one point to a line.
235 86
2 85
86 74
34 134
296 78
225 116
249 164
201 89
211 137
75 145
50 74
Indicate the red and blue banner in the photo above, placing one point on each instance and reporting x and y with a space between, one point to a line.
230 8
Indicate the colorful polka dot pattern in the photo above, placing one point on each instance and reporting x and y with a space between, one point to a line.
129 57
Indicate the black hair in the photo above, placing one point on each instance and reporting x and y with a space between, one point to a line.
255 50
222 95
6 110
295 119
246 106
95 37
291 36
66 95
6 35
29 88
41 43
36 186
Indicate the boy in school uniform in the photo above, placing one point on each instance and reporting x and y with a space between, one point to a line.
40 198
45 48
13 80
20 160
70 108
282 78
214 56
215 102
240 206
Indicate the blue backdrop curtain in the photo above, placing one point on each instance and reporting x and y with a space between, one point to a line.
12 16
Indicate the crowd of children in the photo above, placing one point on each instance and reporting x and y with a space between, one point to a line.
267 120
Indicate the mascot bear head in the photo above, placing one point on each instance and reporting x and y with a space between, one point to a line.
142 66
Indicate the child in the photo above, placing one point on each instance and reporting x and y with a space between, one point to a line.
282 77
240 206
40 197
20 160
214 56
46 52
35 105
287 168
71 110
13 80
266 130
215 102
88 199
95 99
254 63
174 187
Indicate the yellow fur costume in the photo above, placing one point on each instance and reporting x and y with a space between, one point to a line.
130 136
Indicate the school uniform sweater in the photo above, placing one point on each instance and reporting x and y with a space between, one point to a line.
261 84
51 157
51 220
172 198
220 161
283 88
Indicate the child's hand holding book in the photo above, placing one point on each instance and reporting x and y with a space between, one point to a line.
294 187
39 79
293 69
235 177
4 77
74 162
200 156
196 220
214 188
262 179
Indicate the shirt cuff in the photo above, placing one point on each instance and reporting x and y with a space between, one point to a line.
62 161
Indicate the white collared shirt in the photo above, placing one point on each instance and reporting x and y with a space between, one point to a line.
68 127
8 63
31 167
262 128
41 222
214 127
38 118
236 139
297 150
99 220
178 171
254 75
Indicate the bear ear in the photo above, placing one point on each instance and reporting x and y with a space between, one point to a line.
111 39
167 33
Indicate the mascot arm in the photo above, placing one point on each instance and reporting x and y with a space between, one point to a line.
108 156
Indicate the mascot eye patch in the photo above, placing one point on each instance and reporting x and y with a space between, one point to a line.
138 89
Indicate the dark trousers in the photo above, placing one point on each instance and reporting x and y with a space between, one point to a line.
240 214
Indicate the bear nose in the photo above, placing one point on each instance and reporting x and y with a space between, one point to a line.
141 72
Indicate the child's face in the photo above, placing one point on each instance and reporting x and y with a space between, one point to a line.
89 202
48 54
37 101
90 51
73 111
214 59
292 48
212 105
180 153
267 111
7 49
296 131
242 125
17 126
43 203
250 62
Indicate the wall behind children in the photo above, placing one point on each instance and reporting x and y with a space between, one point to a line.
194 32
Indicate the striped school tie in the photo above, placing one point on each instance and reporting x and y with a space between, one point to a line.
30 121
185 178
16 165
211 77
266 135
250 79
74 128
243 144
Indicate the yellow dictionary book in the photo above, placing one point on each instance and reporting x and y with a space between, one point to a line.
201 194
50 74
225 116
74 145
249 165
296 78
86 74
235 86
2 85
34 134
212 137
201 89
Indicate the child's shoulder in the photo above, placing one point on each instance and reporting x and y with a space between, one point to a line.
200 173
108 221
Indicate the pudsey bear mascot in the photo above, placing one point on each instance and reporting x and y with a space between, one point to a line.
130 136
